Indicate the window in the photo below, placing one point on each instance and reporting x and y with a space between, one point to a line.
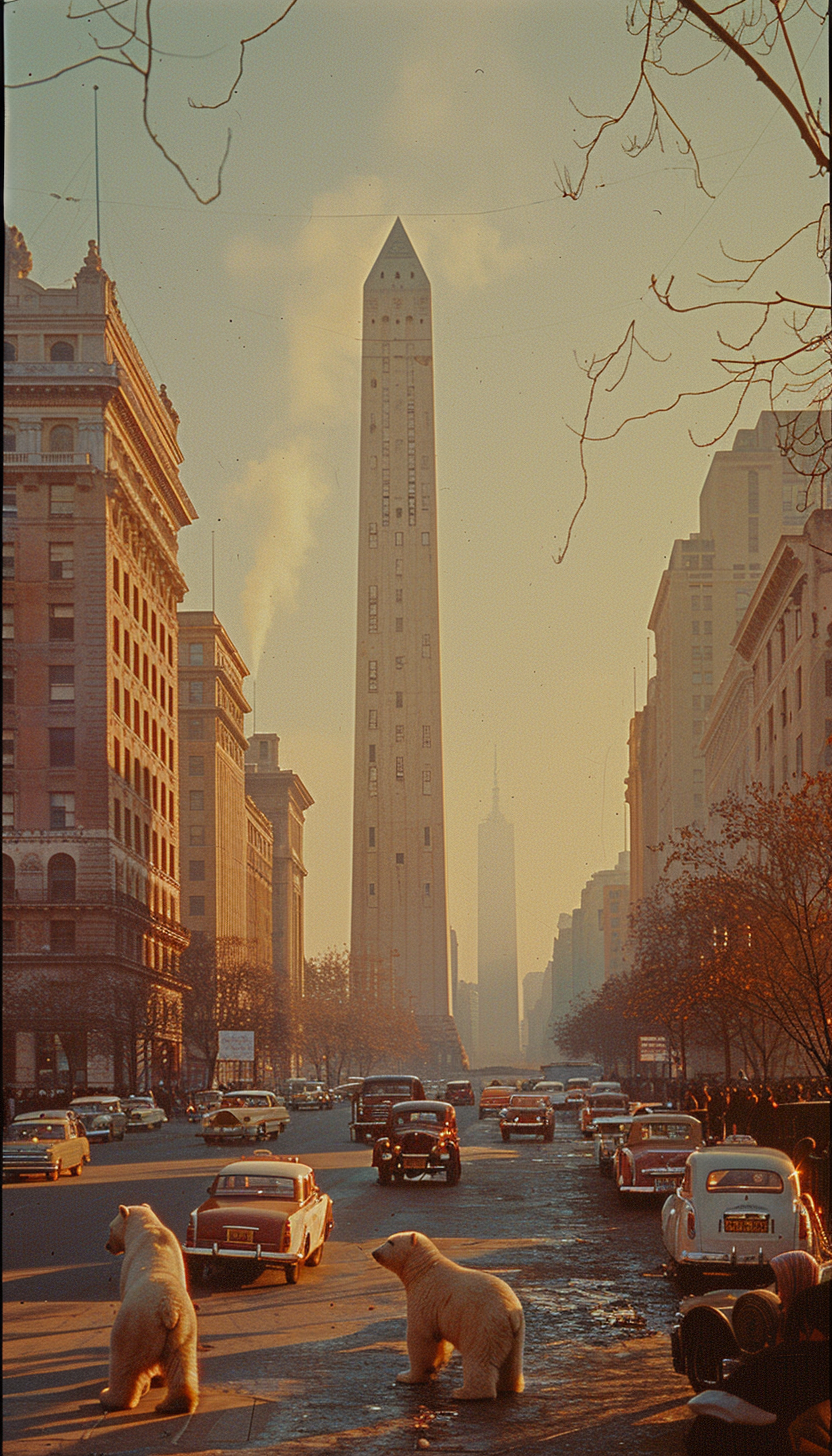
371 838
400 732
196 654
426 538
427 890
60 874
400 767
9 491
770 724
61 747
798 755
399 566
61 440
61 500
61 622
62 937
196 905
8 623
371 753
8 560
373 719
8 684
373 609
196 765
62 684
372 889
372 780
798 689
372 676
400 624
426 781
196 801
399 663
427 836
9 351
400 538
768 661
757 743
426 644
8 811
62 352
196 835
8 748
196 869
195 691
399 700
373 534
196 728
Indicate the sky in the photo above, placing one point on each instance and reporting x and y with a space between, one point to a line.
460 117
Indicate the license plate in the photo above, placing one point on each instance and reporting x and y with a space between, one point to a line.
665 1185
746 1225
239 1235
411 1160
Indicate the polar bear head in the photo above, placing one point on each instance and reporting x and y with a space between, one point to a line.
406 1253
116 1241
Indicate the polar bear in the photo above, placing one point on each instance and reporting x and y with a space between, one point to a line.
448 1308
153 1340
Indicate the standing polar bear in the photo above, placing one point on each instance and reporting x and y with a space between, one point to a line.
448 1308
153 1340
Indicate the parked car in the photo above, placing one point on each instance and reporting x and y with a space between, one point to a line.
577 1088
737 1205
143 1112
608 1133
44 1146
245 1117
420 1141
653 1158
372 1100
555 1091
201 1102
528 1114
460 1093
104 1118
601 1104
344 1091
309 1097
263 1209
604 1087
494 1098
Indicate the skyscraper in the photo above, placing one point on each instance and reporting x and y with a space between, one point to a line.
399 941
499 1013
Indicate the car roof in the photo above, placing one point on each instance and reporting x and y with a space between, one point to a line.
51 1115
100 1097
425 1104
612 1121
276 1167
739 1155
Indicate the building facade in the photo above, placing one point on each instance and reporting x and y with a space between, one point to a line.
92 507
499 1012
399 933
282 797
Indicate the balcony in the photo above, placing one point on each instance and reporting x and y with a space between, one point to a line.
60 369
21 459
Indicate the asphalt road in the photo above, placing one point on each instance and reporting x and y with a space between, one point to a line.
311 1368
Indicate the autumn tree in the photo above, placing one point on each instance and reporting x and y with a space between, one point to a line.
228 989
347 1031
603 1025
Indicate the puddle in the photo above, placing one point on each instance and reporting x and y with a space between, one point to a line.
599 1299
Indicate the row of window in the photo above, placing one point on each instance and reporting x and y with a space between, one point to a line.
371 890
61 352
60 878
154 791
371 841
142 668
372 777
61 497
153 626
61 560
138 836
146 728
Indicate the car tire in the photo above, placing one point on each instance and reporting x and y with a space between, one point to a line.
292 1273
453 1174
385 1178
55 1173
75 1170
313 1260
506 1136
706 1342
121 1136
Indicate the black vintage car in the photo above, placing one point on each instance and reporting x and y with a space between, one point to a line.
420 1141
372 1100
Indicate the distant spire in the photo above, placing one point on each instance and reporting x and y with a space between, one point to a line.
397 264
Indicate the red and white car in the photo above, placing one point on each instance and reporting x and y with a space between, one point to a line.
602 1104
528 1113
653 1158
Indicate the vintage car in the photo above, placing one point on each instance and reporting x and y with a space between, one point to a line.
246 1116
608 1133
309 1097
577 1089
737 1205
494 1098
604 1087
103 1117
44 1145
601 1104
725 1325
460 1093
201 1102
372 1100
262 1210
420 1141
653 1158
143 1112
529 1114
555 1091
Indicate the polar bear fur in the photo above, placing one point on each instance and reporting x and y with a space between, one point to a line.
449 1307
153 1339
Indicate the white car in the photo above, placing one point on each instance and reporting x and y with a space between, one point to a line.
103 1117
143 1112
555 1091
737 1206
245 1116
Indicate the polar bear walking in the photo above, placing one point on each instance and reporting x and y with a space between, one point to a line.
153 1339
449 1307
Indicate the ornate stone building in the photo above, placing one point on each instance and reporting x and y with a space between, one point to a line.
283 799
92 506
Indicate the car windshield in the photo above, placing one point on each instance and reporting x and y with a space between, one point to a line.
608 1099
140 1102
263 1183
744 1180
388 1089
664 1131
527 1102
250 1100
424 1116
89 1108
45 1132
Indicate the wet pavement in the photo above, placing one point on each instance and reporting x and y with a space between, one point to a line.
311 1368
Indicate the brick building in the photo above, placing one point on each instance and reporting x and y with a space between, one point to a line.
92 507
283 799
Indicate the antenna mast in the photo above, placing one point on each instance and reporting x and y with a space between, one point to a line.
97 187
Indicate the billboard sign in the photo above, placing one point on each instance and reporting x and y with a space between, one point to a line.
236 1046
653 1049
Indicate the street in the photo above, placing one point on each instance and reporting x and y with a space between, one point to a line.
311 1367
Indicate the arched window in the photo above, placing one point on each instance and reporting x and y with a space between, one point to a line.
9 350
61 352
60 439
61 877
8 877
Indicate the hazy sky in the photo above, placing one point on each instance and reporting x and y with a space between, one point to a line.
456 116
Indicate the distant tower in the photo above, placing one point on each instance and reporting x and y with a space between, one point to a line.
399 943
499 1012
